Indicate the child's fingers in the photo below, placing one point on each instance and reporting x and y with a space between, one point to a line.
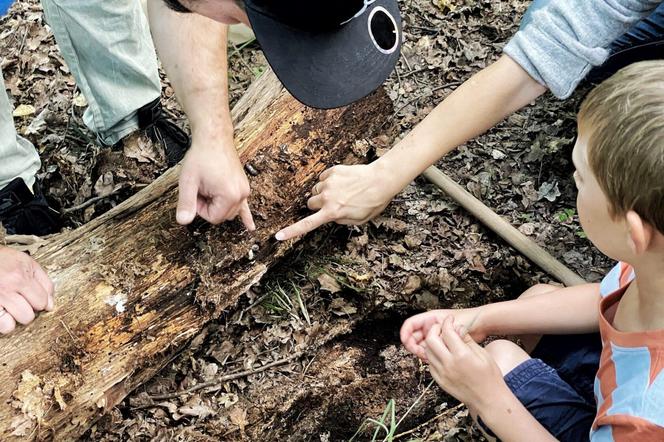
451 338
435 348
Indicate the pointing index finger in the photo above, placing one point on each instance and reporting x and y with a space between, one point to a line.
303 226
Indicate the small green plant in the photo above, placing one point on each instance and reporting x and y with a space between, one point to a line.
280 302
388 418
566 215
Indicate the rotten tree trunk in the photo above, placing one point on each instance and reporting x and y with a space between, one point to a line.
133 287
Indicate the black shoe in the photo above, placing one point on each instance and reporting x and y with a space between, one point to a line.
25 213
160 129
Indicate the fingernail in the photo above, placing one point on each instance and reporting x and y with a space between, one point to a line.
279 236
183 217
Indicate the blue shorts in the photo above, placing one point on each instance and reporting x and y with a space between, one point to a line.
556 385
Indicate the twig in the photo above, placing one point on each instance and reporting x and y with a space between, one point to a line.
426 390
221 380
91 201
71 335
433 419
502 228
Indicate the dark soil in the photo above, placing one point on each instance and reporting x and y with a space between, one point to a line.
339 299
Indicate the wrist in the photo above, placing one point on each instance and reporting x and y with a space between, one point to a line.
386 178
215 131
491 318
492 405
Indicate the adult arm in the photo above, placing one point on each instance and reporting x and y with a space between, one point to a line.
563 42
192 49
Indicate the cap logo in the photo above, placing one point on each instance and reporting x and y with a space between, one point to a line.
367 3
383 30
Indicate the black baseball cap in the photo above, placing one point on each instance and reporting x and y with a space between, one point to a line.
328 53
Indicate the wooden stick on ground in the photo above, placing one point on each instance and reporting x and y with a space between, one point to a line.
504 229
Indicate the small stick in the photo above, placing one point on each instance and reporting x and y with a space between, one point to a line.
71 335
221 380
91 201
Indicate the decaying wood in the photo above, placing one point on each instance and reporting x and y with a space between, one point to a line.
133 286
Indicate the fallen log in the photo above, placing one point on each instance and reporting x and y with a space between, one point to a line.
133 287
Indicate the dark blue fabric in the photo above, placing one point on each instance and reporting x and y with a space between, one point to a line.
552 401
556 385
575 358
4 6
644 41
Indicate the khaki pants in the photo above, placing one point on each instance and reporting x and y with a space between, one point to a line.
108 48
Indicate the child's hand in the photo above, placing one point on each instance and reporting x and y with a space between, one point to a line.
24 289
460 366
415 329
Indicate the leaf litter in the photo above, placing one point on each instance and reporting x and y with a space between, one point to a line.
344 292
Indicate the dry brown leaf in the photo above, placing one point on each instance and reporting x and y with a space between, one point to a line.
328 283
30 399
23 110
341 307
238 416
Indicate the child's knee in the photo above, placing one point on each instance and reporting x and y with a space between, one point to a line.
507 355
539 289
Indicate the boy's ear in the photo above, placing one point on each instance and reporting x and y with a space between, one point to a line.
640 233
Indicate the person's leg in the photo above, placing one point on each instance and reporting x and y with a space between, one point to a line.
23 208
574 357
108 48
552 401
18 157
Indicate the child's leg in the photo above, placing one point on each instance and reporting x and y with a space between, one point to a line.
552 401
508 356
529 342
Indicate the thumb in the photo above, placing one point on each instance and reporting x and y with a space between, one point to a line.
245 216
187 201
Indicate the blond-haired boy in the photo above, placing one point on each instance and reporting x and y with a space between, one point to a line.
569 382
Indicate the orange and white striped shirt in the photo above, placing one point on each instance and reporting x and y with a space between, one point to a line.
629 386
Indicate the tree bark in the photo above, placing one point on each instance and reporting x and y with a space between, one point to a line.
133 287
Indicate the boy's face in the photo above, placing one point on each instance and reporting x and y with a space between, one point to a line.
605 232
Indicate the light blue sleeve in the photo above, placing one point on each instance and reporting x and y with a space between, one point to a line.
567 38
611 281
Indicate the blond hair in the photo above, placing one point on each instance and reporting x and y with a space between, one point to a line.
624 118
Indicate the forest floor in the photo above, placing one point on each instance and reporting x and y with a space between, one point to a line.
347 290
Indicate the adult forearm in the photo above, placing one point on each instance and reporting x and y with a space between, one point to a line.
476 106
569 310
193 51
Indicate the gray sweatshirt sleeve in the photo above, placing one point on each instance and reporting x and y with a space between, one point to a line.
567 38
